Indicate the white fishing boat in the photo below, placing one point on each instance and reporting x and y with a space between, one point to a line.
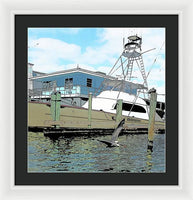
107 101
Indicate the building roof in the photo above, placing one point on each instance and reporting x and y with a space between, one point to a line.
40 73
73 70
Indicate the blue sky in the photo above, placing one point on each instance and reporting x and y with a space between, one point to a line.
97 49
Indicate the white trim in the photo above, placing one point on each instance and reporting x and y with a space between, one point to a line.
104 11
185 10
180 78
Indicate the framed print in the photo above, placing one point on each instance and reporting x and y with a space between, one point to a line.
58 102
21 178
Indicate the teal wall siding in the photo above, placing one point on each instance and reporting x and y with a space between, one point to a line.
79 79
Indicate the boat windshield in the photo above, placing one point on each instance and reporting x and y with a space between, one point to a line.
135 108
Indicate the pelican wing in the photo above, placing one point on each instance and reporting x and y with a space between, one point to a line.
116 132
104 141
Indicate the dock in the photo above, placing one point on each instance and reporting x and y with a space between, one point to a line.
75 121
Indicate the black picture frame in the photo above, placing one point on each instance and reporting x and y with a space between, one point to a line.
22 22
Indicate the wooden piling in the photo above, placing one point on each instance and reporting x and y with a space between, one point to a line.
55 106
119 110
89 109
58 104
152 111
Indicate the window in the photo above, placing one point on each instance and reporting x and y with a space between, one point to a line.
48 85
69 83
89 82
136 108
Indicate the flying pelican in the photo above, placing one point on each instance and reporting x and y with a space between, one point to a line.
114 139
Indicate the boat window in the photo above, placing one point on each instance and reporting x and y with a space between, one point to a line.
159 105
89 82
136 108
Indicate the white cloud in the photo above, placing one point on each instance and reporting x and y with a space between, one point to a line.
57 49
48 67
104 69
161 94
83 66
48 53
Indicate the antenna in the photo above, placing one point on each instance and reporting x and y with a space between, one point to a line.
155 59
123 42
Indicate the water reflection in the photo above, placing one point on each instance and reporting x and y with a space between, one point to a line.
149 163
87 154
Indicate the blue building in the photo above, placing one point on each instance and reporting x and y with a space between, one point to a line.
74 85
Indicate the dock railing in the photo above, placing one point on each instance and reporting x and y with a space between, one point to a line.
74 90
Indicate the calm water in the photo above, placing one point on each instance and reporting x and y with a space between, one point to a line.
86 154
